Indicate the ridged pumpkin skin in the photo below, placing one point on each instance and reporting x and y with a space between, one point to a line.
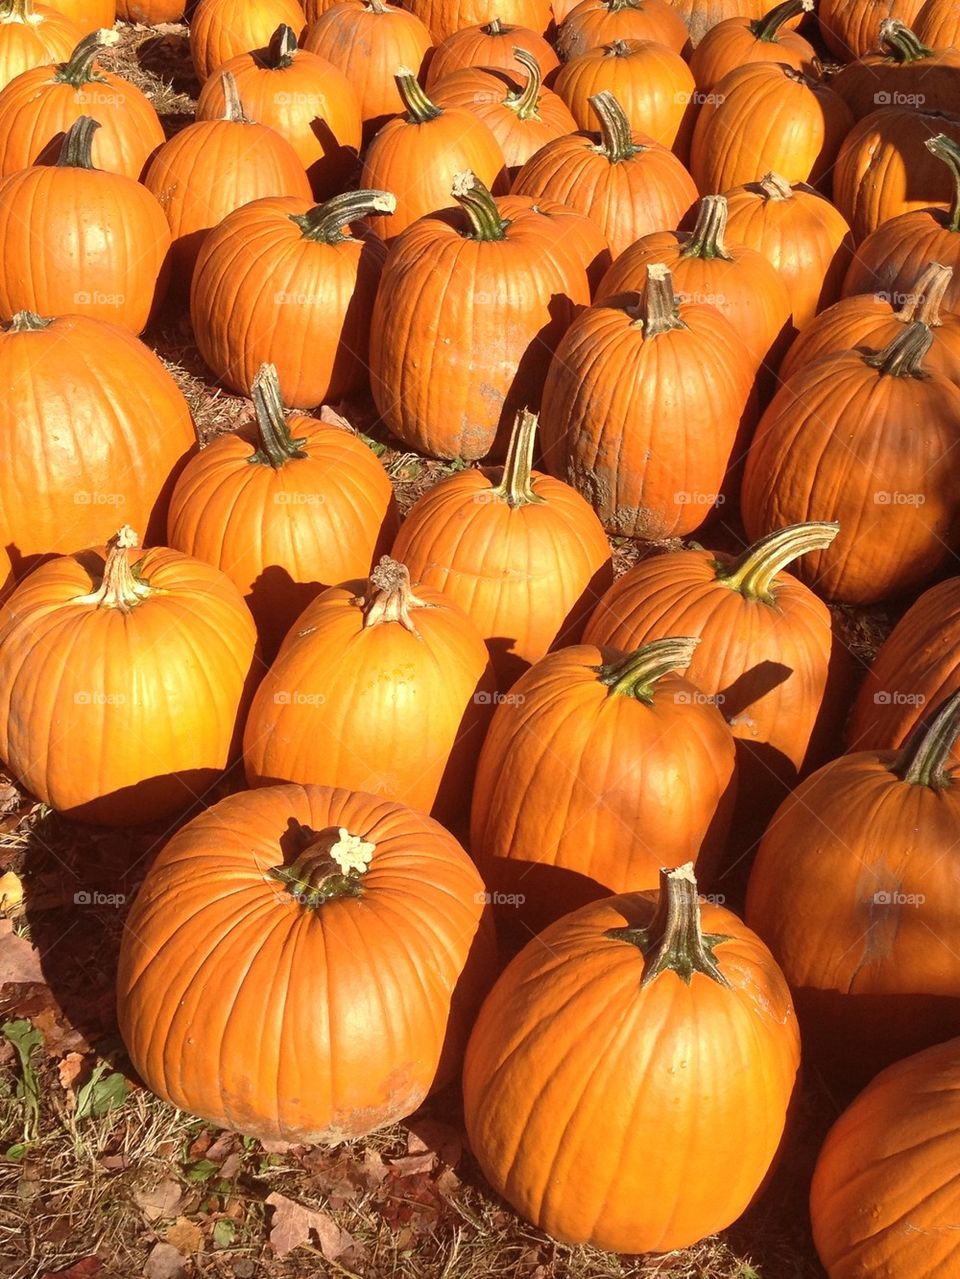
901 71
40 105
938 24
88 15
99 429
736 41
150 12
222 29
368 40
502 295
701 16
373 1013
316 327
574 232
150 692
850 27
32 36
520 552
592 1044
444 17
590 24
883 1201
873 449
642 410
285 509
491 46
374 692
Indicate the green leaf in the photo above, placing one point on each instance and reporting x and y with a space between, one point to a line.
224 1232
202 1170
26 1039
18 1151
378 447
101 1093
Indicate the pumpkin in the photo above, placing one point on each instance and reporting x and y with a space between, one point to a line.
211 168
868 321
938 24
625 181
652 84
889 259
883 1199
490 46
904 72
378 689
39 105
222 29
591 24
331 875
316 329
444 17
504 281
867 440
88 15
701 16
642 408
115 438
285 509
598 1084
574 233
522 117
138 663
520 552
766 116
736 41
150 13
304 98
853 889
106 234
849 27
418 155
368 40
800 234
31 36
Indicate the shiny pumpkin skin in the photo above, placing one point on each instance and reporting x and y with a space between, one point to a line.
150 12
87 15
575 232
153 700
891 257
222 29
850 27
478 46
732 43
590 24
374 1012
444 17
701 16
48 37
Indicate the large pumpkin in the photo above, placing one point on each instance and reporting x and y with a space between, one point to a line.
221 29
379 689
938 24
490 45
903 71
575 233
141 664
590 24
342 936
31 36
627 1081
520 552
850 27
737 41
150 12
88 15
95 423
443 17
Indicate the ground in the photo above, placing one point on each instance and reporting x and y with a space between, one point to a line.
99 1178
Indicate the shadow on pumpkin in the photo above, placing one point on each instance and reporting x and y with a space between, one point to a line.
337 168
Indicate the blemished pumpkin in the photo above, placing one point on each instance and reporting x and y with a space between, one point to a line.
938 24
501 278
903 70
853 889
116 441
648 449
31 36
139 663
736 41
211 168
590 24
81 241
444 17
379 687
304 98
520 552
40 105
850 27
316 328
701 16
286 508
625 181
374 1014
222 29
88 15
490 45
615 1030
599 766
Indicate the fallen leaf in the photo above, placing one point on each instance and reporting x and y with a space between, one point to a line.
431 1134
19 961
219 1149
162 1201
186 1236
9 799
165 1262
58 1037
279 1147
69 1070
373 1170
448 1182
293 1225
115 1163
408 1165
231 1166
11 891
88 1268
333 418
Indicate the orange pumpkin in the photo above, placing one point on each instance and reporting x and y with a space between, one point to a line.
520 552
598 1084
31 36
141 664
326 874
574 233
491 46
88 15
736 41
904 71
444 17
150 13
590 24
701 16
849 27
938 24
285 509
222 29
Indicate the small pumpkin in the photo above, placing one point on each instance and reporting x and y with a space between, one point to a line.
903 70
490 45
938 24
598 1083
444 17
849 27
222 29
590 24
336 877
286 509
140 664
736 41
31 36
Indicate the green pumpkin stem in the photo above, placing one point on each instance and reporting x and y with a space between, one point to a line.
78 69
754 570
282 48
16 10
616 139
526 103
948 151
775 187
706 238
277 445
904 45
924 303
925 758
636 674
675 941
331 866
515 487
480 207
419 108
389 597
325 222
903 355
120 587
232 106
29 322
658 312
617 6
77 149
768 27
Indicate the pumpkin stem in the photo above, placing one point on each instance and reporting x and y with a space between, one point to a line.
754 570
924 759
526 103
277 445
636 674
29 322
376 6
17 11
617 49
282 48
120 587
775 187
420 110
232 107
658 311
904 44
768 27
78 69
675 941
515 487
617 6
325 222
76 151
479 206
332 865
388 597
706 239
494 28
903 355
946 149
616 139
924 303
